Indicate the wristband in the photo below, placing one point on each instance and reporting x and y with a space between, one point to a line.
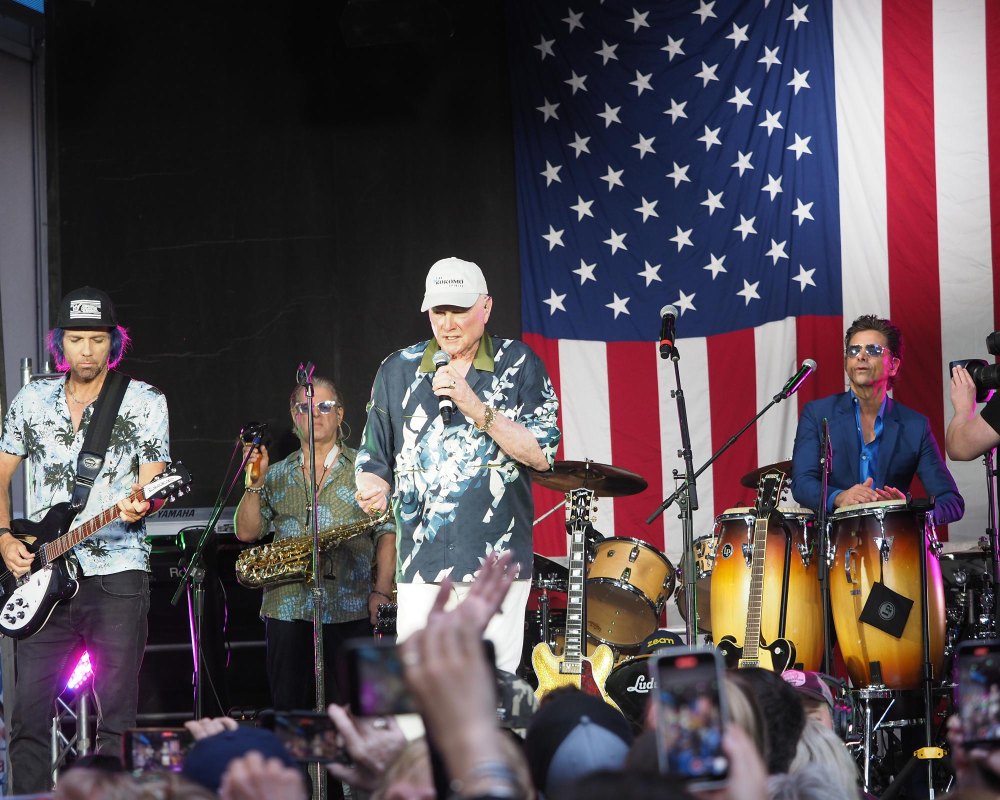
254 489
6 530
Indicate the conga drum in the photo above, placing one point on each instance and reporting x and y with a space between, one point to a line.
731 581
879 545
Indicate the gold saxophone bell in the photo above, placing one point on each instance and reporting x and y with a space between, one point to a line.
290 560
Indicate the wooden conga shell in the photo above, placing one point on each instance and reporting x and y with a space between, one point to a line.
731 584
857 529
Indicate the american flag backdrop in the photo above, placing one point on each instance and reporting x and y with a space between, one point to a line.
773 169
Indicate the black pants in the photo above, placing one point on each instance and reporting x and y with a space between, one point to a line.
107 617
290 661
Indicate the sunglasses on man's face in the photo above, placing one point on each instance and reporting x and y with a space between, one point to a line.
874 350
323 407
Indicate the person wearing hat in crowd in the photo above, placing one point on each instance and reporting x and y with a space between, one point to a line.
460 485
46 423
816 695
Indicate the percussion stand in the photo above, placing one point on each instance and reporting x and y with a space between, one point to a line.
989 459
823 544
687 497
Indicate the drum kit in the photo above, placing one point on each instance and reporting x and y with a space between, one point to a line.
884 565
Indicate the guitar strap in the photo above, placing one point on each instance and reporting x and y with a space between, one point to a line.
95 443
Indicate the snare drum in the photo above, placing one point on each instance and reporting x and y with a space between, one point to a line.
883 542
731 582
628 583
704 562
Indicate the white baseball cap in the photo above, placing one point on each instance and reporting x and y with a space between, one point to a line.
453 282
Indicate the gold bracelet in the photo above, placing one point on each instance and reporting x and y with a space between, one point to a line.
488 417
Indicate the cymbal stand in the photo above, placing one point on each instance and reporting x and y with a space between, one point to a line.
550 512
989 459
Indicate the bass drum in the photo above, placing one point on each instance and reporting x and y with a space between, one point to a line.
731 582
881 543
704 562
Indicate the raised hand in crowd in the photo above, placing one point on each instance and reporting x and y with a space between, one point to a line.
252 777
209 726
372 744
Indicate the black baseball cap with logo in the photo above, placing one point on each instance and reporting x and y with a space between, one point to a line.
86 308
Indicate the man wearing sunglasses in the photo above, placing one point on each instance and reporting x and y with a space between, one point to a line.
878 444
460 487
280 496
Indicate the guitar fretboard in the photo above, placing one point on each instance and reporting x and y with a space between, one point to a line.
52 550
751 641
576 604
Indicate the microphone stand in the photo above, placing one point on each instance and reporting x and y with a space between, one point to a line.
303 377
823 542
680 494
989 459
193 579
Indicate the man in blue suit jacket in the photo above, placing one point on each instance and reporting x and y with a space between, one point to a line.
878 444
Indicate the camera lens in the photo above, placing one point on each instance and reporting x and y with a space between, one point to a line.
985 376
993 343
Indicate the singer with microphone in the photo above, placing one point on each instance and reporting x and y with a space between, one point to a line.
878 444
455 425
279 495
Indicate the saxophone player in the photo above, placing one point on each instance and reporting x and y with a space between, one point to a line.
279 496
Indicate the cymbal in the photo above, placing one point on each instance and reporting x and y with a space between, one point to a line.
751 479
603 479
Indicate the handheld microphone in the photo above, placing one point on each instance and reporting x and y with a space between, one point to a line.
792 384
253 433
668 316
446 406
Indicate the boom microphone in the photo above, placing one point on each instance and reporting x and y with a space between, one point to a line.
792 384
446 406
668 315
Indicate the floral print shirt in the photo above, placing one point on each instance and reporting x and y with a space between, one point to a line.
38 428
456 495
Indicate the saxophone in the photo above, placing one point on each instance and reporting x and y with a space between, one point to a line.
290 560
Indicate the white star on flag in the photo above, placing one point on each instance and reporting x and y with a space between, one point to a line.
573 20
742 162
548 110
711 137
773 186
673 48
715 266
713 201
676 110
770 58
749 291
777 251
616 242
800 147
586 272
707 74
579 144
705 10
683 238
551 173
684 302
802 211
644 146
613 178
740 99
651 273
798 15
555 302
607 52
545 47
679 174
577 82
798 80
771 122
582 208
804 278
619 305
746 226
638 20
647 209
610 115
641 82
739 35
554 238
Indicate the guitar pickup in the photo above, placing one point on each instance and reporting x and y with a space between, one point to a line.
567 668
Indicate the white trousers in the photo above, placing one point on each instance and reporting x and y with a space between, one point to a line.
505 630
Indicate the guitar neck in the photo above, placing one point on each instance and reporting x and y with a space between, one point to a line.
751 640
576 602
71 539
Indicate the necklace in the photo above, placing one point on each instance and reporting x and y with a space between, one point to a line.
75 399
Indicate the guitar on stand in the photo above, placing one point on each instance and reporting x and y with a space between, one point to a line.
779 654
587 673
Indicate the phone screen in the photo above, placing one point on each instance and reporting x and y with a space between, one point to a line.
155 749
375 676
689 716
979 689
308 736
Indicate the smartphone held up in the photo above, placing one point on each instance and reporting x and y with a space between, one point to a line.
690 713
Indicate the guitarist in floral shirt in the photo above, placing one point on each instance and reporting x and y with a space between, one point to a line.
46 424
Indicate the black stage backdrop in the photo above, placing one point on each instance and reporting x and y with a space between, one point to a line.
253 193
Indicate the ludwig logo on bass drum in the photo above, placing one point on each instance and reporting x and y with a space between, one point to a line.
642 684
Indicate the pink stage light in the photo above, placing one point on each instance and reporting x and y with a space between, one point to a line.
82 673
